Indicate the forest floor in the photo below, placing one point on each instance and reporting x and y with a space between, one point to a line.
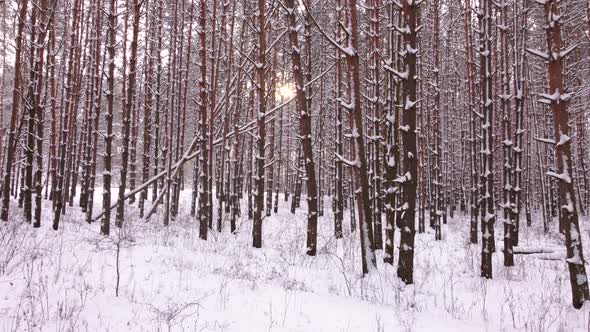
172 281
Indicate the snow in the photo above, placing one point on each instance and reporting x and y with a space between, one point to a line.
561 176
554 97
545 140
401 75
171 280
409 103
563 139
538 53
567 51
410 49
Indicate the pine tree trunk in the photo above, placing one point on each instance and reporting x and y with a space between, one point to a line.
148 100
361 165
260 125
304 131
409 179
437 157
507 144
14 114
128 109
487 169
108 154
563 163
39 109
67 119
203 212
375 66
30 122
96 108
339 137
471 96
392 147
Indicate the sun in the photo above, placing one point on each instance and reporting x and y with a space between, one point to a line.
285 91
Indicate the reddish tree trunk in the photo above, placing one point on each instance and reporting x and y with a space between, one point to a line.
14 114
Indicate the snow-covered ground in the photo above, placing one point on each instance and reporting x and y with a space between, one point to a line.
172 281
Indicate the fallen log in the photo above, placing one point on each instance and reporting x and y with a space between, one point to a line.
534 250
542 253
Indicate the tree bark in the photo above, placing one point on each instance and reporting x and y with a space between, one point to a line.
106 196
14 114
260 124
408 180
127 110
558 99
304 132
365 214
487 168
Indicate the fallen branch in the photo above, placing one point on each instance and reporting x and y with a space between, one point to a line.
150 181
188 156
